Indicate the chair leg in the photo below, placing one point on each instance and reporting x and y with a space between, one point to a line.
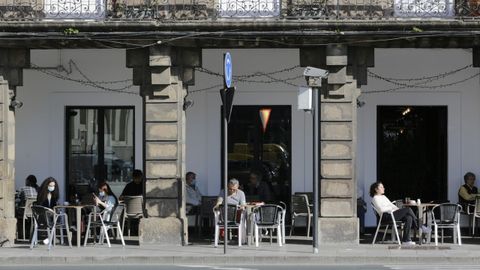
120 232
436 234
24 219
279 235
87 233
473 226
375 236
240 235
34 237
105 232
283 231
217 230
309 218
459 237
396 234
385 233
293 225
442 235
256 235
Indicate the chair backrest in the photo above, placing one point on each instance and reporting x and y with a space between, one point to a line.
268 214
232 216
116 213
28 207
300 204
43 216
133 205
309 195
477 206
446 213
206 208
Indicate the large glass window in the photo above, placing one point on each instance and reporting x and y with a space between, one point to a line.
259 139
100 147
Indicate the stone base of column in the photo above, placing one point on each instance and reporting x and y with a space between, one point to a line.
8 229
160 231
338 231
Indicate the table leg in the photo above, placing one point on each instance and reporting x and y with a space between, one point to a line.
78 211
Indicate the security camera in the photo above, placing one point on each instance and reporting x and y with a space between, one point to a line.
315 72
314 76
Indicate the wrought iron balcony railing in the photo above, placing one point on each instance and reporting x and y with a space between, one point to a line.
190 10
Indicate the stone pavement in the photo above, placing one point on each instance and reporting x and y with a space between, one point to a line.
206 254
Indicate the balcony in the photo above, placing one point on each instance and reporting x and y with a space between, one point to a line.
218 10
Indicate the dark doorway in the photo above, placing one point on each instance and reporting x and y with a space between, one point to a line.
261 145
412 151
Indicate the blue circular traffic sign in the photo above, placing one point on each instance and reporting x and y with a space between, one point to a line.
227 70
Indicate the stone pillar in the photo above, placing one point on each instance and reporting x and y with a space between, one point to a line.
12 62
338 223
164 74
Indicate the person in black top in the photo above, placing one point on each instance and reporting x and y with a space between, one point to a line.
134 188
257 188
467 192
48 195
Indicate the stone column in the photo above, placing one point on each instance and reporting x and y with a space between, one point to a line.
12 62
338 223
164 74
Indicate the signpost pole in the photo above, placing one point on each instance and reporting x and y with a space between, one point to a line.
225 171
227 83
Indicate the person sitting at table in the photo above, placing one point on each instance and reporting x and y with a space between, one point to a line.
134 188
385 206
193 194
30 190
106 199
258 188
235 195
468 192
48 195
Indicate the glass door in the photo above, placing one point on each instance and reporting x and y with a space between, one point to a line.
100 147
259 140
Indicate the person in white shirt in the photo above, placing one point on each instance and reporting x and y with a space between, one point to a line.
383 205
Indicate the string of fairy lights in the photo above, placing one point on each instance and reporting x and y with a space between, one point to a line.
288 76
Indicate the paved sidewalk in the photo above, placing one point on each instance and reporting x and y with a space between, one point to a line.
203 254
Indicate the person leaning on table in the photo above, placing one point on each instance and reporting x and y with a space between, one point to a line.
235 195
468 192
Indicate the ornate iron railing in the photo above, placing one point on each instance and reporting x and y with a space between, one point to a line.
185 10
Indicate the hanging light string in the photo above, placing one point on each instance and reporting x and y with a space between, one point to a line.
256 77
86 79
421 81
247 78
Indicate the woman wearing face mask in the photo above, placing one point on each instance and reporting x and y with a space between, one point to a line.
48 195
106 200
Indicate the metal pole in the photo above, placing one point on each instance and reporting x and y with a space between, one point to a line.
316 164
225 171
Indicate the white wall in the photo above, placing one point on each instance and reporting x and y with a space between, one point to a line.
203 119
40 123
461 99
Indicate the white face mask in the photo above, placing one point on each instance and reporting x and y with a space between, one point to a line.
51 189
101 193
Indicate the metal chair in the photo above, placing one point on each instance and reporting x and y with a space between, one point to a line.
301 208
386 219
47 220
268 216
105 220
447 216
236 220
27 214
133 210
